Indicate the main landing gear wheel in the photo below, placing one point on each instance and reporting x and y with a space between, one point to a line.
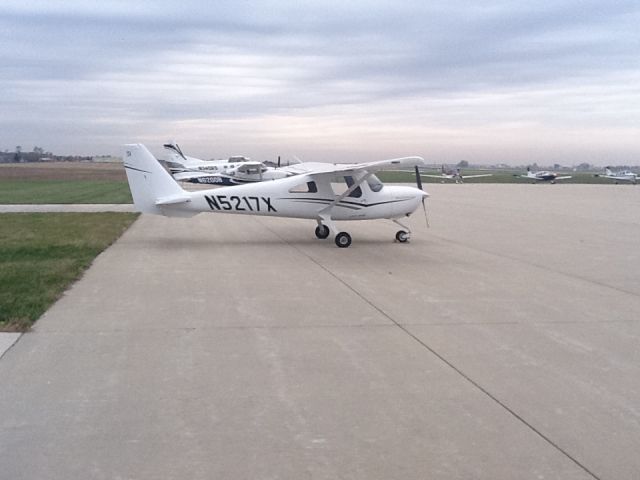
343 240
322 232
402 236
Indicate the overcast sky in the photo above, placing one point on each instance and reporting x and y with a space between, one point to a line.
513 81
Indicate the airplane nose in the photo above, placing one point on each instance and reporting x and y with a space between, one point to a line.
424 194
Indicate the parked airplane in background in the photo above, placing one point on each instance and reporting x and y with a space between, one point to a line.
622 175
542 176
309 195
454 175
179 162
232 171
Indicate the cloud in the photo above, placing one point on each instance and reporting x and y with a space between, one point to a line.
328 78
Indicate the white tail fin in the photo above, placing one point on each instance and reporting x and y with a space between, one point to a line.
149 183
607 171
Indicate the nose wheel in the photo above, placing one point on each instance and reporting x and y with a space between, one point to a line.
402 236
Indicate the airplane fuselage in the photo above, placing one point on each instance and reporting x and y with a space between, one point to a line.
288 198
624 176
543 176
231 178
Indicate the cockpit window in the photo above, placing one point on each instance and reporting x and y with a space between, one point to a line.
374 183
251 170
357 192
171 164
309 187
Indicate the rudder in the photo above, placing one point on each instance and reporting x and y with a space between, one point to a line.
148 181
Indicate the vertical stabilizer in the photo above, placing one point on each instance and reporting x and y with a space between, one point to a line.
148 181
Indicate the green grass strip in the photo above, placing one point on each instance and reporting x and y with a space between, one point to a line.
63 191
41 254
497 177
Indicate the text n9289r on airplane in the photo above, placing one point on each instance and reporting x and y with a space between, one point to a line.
309 195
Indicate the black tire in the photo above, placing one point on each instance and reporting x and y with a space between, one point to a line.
322 232
402 236
343 240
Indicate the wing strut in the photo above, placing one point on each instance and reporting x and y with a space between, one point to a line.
346 193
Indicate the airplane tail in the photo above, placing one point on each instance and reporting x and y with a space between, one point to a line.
607 171
150 184
178 162
175 150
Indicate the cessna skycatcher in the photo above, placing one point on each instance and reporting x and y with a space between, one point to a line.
623 175
233 171
454 175
308 195
542 176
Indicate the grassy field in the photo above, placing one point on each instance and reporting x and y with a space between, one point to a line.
42 254
498 176
63 191
63 182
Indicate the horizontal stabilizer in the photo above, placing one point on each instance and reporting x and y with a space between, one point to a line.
172 200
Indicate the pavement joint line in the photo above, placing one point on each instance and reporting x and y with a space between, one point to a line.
469 379
541 267
12 345
444 360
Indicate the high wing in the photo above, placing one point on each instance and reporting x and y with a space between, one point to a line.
250 167
478 176
359 171
314 168
373 167
436 176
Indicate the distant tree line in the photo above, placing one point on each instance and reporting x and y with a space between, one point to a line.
38 154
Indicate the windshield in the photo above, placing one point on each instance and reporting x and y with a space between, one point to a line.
374 183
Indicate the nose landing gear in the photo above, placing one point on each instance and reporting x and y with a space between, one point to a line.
404 235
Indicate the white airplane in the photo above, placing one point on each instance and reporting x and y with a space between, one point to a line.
233 171
454 175
622 175
542 176
307 195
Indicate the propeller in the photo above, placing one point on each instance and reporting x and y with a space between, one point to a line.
419 185
278 161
